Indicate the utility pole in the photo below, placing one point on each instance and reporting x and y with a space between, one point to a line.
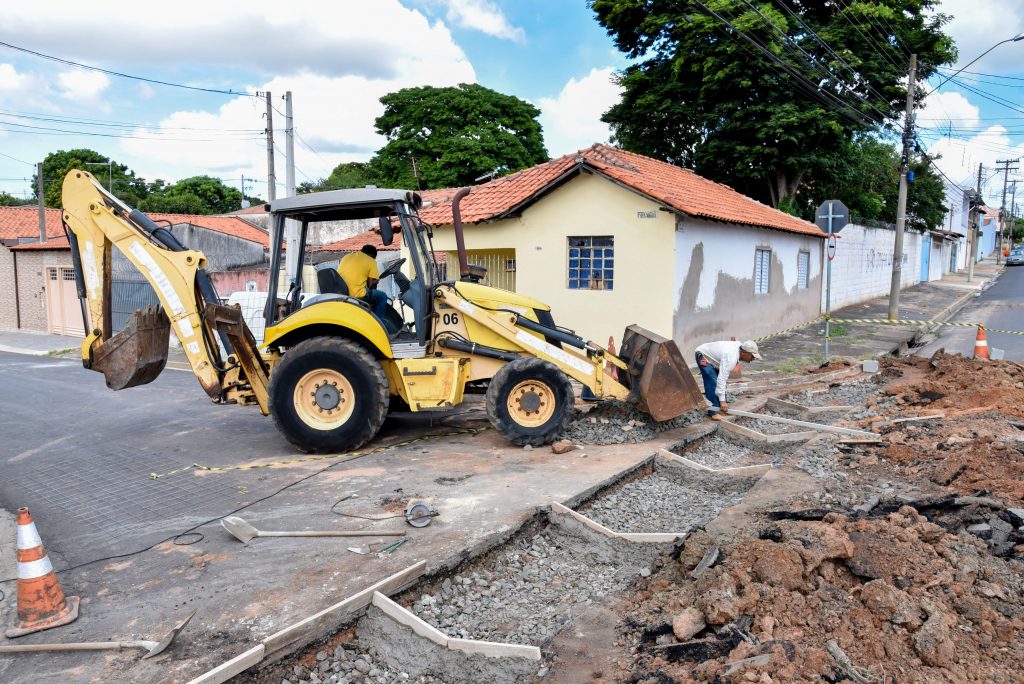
291 227
1013 212
901 204
271 176
973 229
1002 207
245 202
42 201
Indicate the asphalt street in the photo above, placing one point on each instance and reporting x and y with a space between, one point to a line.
999 307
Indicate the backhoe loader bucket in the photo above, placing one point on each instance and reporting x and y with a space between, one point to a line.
659 379
137 354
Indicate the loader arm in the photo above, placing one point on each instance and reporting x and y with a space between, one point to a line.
96 221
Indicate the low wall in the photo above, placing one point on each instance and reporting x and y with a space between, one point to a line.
862 269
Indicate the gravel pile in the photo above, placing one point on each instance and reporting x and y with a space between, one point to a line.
671 499
717 452
352 664
846 394
617 422
530 589
819 459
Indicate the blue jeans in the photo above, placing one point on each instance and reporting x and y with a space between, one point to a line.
709 374
378 302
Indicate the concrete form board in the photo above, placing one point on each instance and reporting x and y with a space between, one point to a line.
410 620
743 471
596 526
236 665
493 649
331 619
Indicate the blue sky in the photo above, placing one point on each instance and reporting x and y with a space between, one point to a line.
339 58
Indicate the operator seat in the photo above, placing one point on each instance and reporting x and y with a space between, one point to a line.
331 282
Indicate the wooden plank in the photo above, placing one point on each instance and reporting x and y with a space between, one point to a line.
682 460
783 405
802 436
801 423
596 526
743 431
746 471
409 619
493 649
652 537
854 442
813 410
331 619
236 665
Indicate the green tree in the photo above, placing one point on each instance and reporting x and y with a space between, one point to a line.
344 175
448 137
701 95
126 185
9 200
196 195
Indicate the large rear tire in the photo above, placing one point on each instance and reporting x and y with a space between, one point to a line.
328 395
530 401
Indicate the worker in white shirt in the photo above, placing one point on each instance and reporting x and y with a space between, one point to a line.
715 361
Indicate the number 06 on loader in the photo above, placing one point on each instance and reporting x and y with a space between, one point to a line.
328 370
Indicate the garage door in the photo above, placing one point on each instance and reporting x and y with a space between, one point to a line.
62 306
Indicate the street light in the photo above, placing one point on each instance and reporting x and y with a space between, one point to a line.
110 172
1018 37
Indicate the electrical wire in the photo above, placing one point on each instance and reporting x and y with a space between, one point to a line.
845 13
16 159
119 74
35 116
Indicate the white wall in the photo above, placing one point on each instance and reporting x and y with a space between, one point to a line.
714 287
862 268
937 259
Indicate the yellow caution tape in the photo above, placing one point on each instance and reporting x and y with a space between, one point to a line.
341 458
885 321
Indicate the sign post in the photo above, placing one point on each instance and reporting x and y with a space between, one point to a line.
832 216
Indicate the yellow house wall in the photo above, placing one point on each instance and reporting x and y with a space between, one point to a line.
587 205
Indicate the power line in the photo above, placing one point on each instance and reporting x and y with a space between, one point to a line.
845 13
61 60
16 159
34 116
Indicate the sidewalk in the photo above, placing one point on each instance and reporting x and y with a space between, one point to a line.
36 343
793 351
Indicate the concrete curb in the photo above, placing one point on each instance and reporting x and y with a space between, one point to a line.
25 351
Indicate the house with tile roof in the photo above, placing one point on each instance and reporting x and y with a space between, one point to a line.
37 282
609 238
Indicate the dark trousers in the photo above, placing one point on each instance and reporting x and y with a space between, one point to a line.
709 374
378 302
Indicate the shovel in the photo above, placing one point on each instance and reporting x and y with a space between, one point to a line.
244 532
154 647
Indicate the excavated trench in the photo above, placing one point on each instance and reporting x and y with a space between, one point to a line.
528 589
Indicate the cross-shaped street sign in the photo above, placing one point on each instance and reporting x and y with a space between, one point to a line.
832 216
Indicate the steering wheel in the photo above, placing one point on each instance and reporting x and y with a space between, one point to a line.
392 269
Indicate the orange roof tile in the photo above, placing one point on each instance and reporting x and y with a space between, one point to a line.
673 186
60 242
23 222
356 242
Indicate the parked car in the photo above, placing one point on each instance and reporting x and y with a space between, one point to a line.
1016 258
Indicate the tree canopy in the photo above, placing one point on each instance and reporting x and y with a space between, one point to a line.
196 195
765 96
126 185
448 137
344 175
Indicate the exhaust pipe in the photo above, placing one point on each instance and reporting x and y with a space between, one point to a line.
473 274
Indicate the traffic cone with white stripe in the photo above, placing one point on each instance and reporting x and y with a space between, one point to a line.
981 344
41 603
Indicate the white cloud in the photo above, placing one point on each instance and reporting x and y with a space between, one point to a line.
79 84
977 25
10 79
371 39
960 157
572 120
484 16
949 108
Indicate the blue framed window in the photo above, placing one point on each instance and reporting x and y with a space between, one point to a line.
591 263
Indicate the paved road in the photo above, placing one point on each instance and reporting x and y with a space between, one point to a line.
1001 307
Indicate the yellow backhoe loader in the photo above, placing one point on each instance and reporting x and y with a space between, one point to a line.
327 369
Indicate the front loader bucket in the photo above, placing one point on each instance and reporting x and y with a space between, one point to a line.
659 380
137 354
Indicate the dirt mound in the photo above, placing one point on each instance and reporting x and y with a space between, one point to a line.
959 384
901 598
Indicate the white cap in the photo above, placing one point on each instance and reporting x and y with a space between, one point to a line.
751 346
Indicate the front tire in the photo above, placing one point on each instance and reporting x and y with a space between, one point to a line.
530 401
328 395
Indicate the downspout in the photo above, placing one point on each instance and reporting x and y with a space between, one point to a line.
460 241
17 296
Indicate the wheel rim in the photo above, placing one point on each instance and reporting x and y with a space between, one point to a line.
531 403
324 399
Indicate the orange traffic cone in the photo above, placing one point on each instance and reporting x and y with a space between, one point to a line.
981 344
609 368
41 603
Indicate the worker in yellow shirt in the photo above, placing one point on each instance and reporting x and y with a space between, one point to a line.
359 271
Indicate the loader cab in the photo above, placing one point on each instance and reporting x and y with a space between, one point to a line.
395 213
